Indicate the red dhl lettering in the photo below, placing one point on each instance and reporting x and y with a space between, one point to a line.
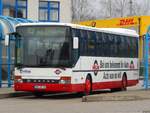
124 22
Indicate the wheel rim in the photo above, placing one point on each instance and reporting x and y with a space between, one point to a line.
87 86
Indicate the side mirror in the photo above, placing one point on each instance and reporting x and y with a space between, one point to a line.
75 42
6 40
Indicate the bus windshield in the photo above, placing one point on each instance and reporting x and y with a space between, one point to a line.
43 46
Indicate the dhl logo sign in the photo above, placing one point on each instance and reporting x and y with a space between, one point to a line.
127 22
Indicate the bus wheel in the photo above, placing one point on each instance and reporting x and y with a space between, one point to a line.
88 85
124 83
38 94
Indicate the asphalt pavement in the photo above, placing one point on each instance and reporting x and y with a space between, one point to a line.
9 92
133 93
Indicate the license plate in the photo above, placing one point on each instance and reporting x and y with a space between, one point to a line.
39 87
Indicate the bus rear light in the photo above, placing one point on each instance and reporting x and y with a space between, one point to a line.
18 79
65 80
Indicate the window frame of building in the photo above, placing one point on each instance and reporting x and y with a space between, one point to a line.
17 6
49 8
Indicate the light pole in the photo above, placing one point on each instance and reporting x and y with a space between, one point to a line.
146 61
1 7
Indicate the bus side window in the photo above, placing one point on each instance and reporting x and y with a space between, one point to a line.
91 43
99 44
122 46
125 46
136 41
129 46
115 45
133 46
123 40
83 43
73 32
76 32
105 46
110 45
118 45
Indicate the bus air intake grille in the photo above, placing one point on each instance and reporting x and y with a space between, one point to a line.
40 81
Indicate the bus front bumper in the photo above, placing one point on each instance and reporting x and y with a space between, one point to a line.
45 87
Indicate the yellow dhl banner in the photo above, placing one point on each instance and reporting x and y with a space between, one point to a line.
115 23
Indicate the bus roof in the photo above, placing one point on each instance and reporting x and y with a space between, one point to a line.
118 31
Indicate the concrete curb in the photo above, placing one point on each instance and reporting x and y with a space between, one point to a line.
119 96
109 98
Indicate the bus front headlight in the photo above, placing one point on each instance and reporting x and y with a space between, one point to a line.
18 79
65 80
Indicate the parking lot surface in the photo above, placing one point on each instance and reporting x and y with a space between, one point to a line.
72 103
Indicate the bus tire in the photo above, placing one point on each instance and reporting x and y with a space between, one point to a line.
124 83
88 85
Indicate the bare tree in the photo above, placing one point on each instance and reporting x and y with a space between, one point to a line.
81 10
101 9
114 8
105 9
120 7
141 7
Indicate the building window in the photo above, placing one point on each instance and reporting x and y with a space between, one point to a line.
21 9
49 11
15 8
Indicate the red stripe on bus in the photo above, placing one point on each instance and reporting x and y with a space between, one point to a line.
112 84
69 87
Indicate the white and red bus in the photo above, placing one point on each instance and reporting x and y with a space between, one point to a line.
57 57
